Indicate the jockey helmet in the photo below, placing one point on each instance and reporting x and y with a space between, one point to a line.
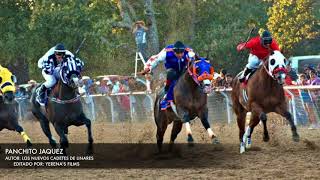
60 49
178 47
266 38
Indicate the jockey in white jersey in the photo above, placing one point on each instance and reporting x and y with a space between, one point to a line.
50 65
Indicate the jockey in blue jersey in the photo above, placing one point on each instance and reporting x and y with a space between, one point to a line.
176 57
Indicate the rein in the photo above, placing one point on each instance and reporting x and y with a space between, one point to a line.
271 75
194 77
69 101
60 101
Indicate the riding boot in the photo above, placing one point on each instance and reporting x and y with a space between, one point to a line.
41 95
245 73
164 102
167 86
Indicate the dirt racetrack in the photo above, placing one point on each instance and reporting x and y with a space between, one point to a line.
281 158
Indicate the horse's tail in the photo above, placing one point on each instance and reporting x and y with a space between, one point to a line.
35 106
156 109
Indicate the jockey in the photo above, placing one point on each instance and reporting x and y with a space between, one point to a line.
176 57
260 48
50 65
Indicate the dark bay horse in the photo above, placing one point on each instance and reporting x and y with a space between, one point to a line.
262 94
8 105
190 101
63 107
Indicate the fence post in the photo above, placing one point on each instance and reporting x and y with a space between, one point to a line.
228 106
294 112
131 107
19 108
111 106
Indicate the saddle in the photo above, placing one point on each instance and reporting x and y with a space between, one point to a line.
247 77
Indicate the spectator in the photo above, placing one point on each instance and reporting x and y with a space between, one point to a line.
216 79
228 80
307 102
315 93
116 87
139 30
103 87
314 79
300 111
222 80
86 90
110 86
307 71
292 73
318 70
18 93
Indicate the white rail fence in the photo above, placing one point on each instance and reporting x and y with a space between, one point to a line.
138 106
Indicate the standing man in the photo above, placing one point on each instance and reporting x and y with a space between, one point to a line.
139 30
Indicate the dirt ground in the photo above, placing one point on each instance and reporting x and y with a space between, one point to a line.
280 158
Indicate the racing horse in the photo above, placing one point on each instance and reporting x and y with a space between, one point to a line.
262 94
8 105
63 107
190 101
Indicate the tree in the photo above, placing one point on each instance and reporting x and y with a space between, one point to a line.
292 21
15 37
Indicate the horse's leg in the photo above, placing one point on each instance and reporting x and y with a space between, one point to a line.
256 112
241 121
254 121
59 127
87 122
186 119
177 126
24 135
88 125
282 110
44 123
263 118
203 115
162 125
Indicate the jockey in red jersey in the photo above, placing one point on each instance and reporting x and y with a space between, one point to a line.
260 47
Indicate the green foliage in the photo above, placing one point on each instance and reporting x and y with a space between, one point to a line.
292 21
212 28
15 36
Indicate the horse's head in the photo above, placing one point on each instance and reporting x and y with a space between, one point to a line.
7 85
277 66
70 71
203 70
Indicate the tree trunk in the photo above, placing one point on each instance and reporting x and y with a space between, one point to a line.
20 68
153 46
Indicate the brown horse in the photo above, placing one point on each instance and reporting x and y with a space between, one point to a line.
262 94
190 98
8 105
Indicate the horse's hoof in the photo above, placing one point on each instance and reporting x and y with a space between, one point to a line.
64 151
242 148
89 149
64 144
215 140
248 143
53 143
266 138
190 144
190 140
29 144
296 138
